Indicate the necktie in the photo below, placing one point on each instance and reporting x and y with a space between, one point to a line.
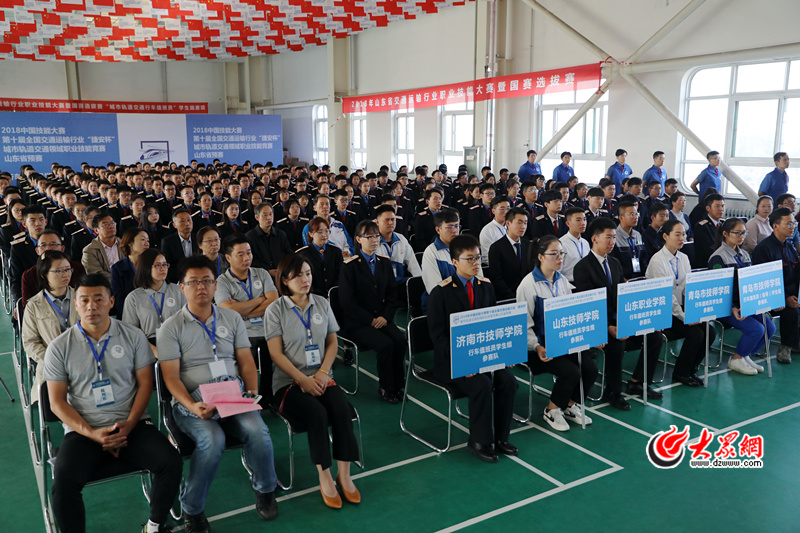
519 251
608 272
470 295
555 227
716 172
659 171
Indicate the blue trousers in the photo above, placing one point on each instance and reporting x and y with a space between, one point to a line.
752 329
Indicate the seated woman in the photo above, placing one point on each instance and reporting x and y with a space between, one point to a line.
670 262
547 282
325 258
758 227
729 252
209 243
154 299
230 219
367 292
254 199
49 313
151 222
134 242
678 200
301 333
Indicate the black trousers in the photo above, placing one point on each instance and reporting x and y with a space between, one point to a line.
318 412
480 389
79 458
790 333
615 350
258 347
565 368
390 345
693 350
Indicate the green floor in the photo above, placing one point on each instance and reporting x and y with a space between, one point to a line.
597 480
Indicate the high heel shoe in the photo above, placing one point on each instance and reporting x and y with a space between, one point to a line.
333 503
352 497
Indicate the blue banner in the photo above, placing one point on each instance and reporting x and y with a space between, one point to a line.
488 339
39 139
575 322
708 296
644 306
761 288
235 138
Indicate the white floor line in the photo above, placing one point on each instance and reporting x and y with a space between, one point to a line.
536 471
760 417
576 446
619 422
528 501
673 413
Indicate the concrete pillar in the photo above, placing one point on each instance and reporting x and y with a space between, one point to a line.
338 80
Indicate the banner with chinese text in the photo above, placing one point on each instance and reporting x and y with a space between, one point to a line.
95 106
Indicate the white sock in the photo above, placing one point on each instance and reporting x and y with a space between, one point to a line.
152 527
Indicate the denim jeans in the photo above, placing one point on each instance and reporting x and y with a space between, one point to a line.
209 437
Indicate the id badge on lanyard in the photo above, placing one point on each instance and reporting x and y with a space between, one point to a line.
313 355
634 258
102 391
249 291
216 367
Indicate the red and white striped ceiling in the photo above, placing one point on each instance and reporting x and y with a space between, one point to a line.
162 30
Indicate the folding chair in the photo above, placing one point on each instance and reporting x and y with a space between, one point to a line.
344 342
296 426
47 454
182 442
415 288
5 283
420 344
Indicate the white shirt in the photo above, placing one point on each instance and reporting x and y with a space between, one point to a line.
576 249
664 264
491 232
186 244
112 253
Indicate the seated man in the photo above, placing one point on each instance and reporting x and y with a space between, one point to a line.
102 402
653 240
575 246
23 250
600 269
552 222
103 252
705 231
629 246
395 247
496 228
508 256
463 291
48 240
424 227
206 344
269 243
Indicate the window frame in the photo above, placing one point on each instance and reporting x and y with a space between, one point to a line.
358 126
317 120
469 110
396 150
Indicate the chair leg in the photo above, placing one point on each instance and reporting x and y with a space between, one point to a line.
602 381
291 458
414 435
3 383
356 367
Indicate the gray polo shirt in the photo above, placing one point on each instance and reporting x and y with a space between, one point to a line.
280 320
183 337
69 358
259 284
140 311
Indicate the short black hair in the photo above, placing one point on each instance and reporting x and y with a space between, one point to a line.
656 208
634 181
499 200
381 209
462 243
515 211
447 215
711 198
94 280
34 209
776 216
620 152
549 196
600 225
711 153
595 191
565 153
196 261
232 241
573 211
657 153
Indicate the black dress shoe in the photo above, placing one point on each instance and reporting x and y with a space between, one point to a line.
484 452
616 400
506 448
266 505
196 523
389 397
697 379
686 380
635 389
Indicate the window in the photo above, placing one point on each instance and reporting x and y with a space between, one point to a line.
320 117
586 141
457 132
403 140
358 140
747 112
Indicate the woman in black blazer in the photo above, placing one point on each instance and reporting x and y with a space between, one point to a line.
367 293
325 258
231 223
151 223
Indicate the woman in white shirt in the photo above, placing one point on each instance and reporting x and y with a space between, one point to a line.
670 262
547 282
758 227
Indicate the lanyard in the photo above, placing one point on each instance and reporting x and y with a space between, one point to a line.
212 334
219 266
248 291
159 310
580 250
58 310
306 322
632 244
97 358
675 268
738 261
553 288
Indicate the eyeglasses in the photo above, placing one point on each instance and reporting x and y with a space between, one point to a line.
452 227
61 271
50 245
211 241
160 266
370 237
108 225
556 255
200 282
740 233
471 260
791 225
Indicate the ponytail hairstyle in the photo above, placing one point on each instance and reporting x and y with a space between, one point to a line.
540 246
726 227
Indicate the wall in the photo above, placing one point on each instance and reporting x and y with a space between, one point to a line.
298 131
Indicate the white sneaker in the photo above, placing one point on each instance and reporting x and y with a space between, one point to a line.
556 420
573 414
741 366
753 364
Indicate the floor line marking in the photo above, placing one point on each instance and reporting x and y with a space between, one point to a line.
760 417
536 471
576 446
528 501
619 422
673 413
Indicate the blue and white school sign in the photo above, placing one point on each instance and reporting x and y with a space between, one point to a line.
761 288
488 339
644 306
575 322
709 295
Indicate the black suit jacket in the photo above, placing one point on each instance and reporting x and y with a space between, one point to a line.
293 231
23 256
424 230
446 298
505 270
589 274
324 267
172 250
363 296
268 250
